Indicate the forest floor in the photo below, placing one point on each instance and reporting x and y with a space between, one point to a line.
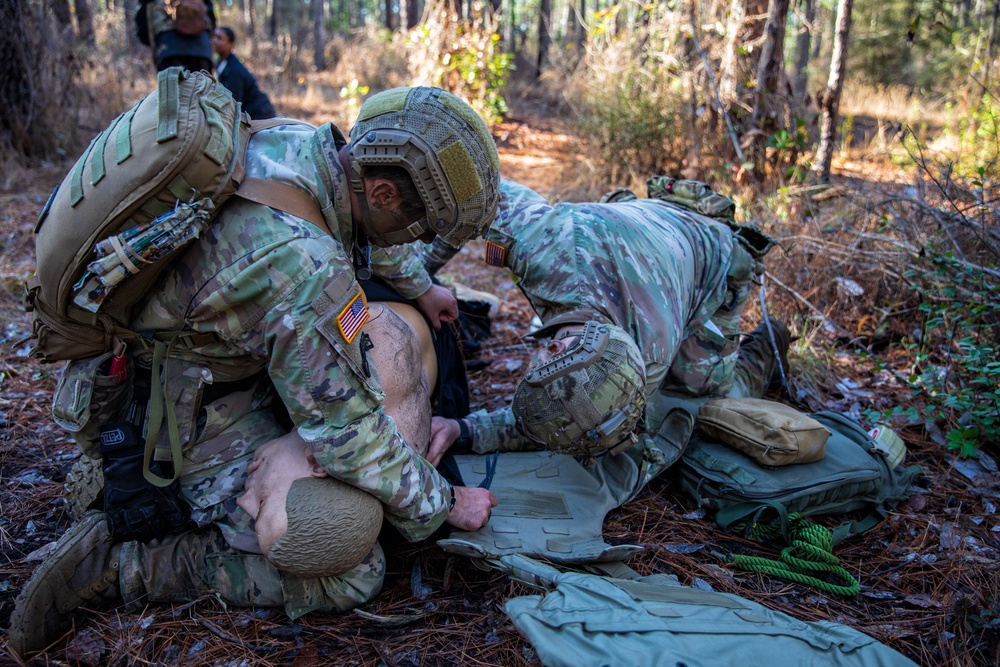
930 582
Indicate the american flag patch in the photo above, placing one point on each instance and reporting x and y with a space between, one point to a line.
495 254
353 317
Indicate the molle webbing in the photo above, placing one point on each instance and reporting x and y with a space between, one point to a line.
76 176
123 136
168 108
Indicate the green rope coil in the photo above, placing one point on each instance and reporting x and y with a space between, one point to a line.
810 553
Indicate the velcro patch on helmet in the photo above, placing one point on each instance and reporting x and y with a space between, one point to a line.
460 171
470 116
496 254
384 102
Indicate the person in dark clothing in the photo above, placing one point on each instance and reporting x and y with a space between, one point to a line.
234 76
186 42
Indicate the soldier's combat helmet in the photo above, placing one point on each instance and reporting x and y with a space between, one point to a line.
587 400
445 147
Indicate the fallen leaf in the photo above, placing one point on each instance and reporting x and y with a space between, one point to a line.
84 648
922 600
949 539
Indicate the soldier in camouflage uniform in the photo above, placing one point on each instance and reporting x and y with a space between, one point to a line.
663 289
274 320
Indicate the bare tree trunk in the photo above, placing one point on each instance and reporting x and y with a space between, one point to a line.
817 37
754 29
272 23
132 39
990 45
511 21
459 9
16 93
768 103
578 20
729 67
494 9
830 101
544 37
250 17
84 21
319 36
412 14
800 77
60 10
389 16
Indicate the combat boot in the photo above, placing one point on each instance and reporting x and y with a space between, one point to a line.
82 569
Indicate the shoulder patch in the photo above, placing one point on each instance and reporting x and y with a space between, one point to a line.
496 254
353 317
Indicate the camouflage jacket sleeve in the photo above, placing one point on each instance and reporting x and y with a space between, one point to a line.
403 268
493 431
435 255
311 332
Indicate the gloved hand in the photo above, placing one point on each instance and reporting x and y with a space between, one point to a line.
136 509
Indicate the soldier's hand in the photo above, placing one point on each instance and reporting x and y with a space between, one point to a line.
472 508
439 305
444 433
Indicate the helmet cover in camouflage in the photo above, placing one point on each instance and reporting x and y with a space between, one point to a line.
587 400
332 527
446 148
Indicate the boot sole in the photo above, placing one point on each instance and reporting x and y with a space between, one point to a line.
20 639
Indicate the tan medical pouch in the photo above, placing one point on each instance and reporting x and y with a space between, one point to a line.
773 434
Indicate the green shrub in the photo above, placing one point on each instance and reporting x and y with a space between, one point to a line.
955 373
464 57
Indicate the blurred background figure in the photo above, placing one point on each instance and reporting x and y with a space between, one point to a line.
234 76
178 31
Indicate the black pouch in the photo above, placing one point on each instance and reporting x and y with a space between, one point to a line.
136 509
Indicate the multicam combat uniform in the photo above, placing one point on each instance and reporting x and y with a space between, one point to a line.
276 309
675 280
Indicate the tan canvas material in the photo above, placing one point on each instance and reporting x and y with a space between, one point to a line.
183 143
773 434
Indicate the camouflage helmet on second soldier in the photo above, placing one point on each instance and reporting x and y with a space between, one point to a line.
587 400
448 152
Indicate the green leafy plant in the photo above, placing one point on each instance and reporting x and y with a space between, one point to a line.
955 371
464 57
352 94
786 149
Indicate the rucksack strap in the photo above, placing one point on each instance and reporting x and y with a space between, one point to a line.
283 197
161 350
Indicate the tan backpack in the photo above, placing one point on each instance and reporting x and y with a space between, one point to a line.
190 17
144 189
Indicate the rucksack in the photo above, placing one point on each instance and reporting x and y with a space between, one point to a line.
190 17
143 189
851 476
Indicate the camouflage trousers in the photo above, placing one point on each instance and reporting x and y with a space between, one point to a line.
712 362
185 567
706 360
